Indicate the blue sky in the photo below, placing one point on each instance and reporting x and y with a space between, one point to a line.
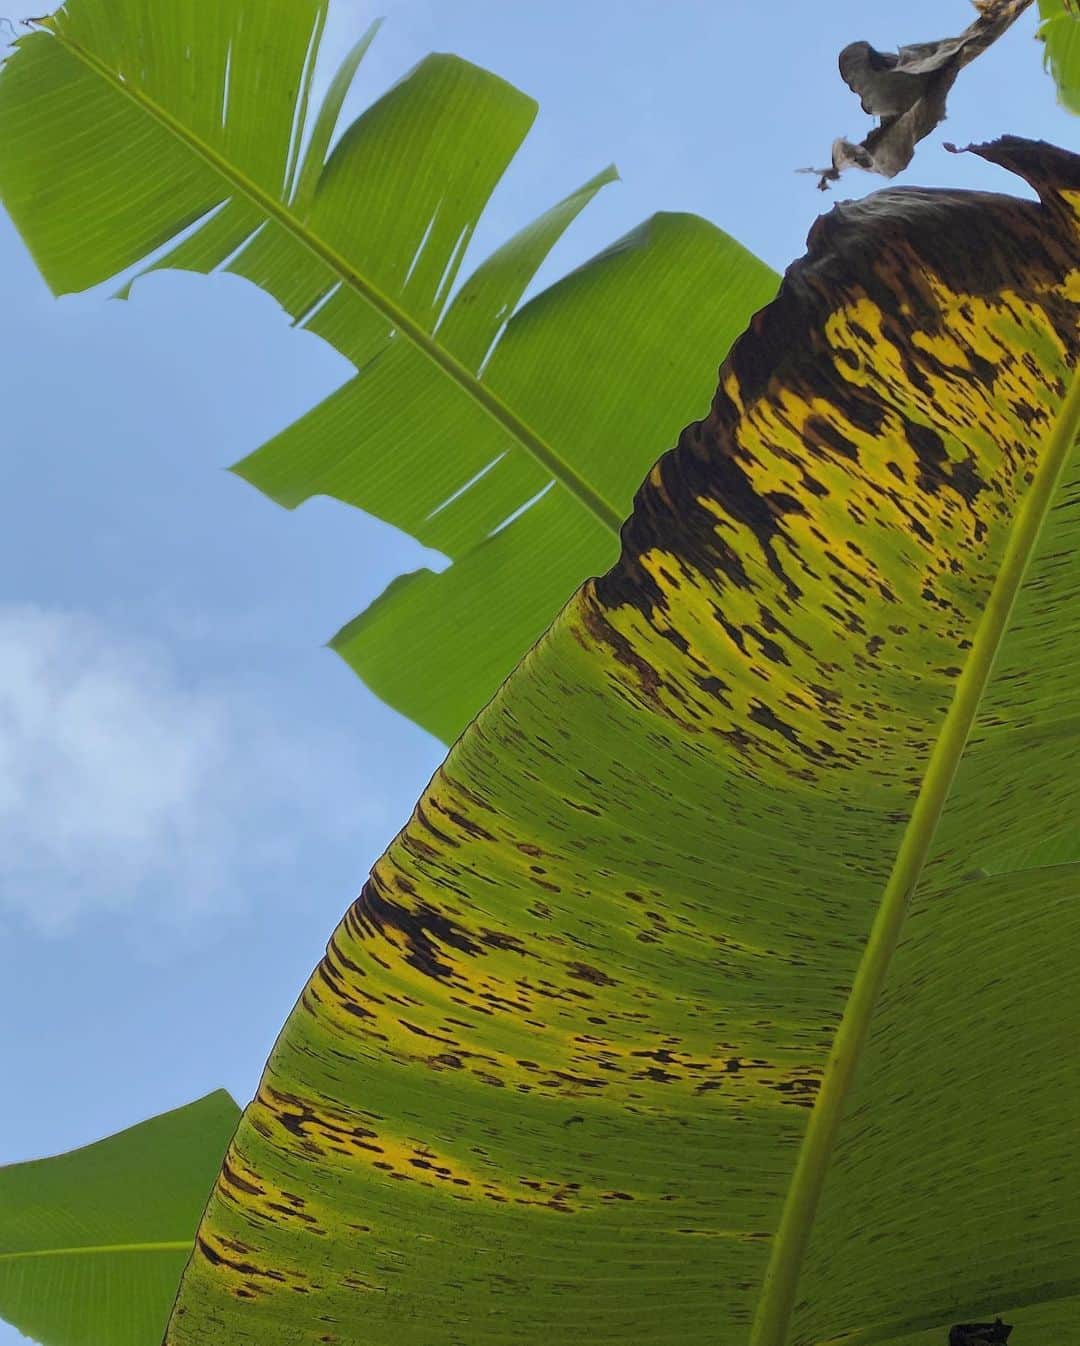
191 788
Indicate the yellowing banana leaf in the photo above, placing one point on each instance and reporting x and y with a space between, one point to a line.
791 788
1060 32
92 1243
498 434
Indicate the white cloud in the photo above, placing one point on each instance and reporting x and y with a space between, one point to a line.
125 785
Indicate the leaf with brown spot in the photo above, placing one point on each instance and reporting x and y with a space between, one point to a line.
885 485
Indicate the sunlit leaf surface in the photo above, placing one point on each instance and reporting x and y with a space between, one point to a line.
551 1080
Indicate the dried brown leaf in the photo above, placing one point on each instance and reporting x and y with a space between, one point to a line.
907 90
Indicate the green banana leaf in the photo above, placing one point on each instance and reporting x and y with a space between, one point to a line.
1060 32
92 1243
500 435
790 790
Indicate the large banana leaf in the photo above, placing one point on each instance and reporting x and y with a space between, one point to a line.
92 1243
1060 31
128 125
791 787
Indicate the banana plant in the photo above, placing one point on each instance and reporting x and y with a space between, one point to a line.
1045 1304
182 135
721 986
171 133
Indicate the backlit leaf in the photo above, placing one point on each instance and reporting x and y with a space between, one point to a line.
92 1243
559 1076
170 130
1060 32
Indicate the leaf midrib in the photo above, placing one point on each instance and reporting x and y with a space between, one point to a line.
777 1301
168 1245
487 400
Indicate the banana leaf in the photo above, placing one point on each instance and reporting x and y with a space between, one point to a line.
92 1243
722 984
1060 32
172 132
